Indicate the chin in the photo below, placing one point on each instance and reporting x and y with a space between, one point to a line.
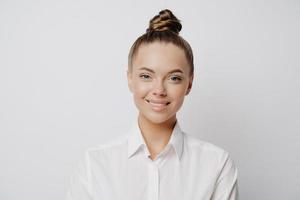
157 119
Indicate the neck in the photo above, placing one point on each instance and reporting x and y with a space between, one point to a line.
156 135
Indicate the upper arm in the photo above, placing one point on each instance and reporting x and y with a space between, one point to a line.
80 184
226 187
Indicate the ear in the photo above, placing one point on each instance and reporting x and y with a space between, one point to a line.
190 85
129 80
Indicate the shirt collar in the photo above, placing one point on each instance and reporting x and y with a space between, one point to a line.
136 140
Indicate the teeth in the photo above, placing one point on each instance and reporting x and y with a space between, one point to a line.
157 104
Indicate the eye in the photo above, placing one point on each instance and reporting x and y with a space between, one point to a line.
145 76
175 78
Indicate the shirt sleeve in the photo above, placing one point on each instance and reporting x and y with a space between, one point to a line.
80 186
226 187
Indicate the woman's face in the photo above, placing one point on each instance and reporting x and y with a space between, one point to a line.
159 80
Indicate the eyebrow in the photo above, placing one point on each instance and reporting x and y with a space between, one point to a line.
170 72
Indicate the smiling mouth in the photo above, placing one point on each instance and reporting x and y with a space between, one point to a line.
158 103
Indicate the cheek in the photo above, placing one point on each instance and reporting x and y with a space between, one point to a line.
140 89
178 98
178 92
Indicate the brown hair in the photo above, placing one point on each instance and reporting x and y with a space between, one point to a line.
164 27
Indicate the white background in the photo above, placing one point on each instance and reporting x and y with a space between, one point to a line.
63 87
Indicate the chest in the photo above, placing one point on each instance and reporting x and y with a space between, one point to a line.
140 179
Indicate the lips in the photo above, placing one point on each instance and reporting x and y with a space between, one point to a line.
158 102
158 105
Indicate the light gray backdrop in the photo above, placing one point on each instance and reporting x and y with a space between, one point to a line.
63 87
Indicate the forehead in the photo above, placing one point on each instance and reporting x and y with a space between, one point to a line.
160 57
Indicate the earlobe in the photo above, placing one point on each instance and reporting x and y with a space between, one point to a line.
188 91
129 80
190 85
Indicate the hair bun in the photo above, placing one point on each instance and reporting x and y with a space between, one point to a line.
164 21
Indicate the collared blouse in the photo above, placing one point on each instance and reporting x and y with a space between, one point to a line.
187 169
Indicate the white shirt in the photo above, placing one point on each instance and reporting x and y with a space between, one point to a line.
187 169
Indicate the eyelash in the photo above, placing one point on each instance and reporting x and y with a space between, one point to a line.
177 78
143 76
146 76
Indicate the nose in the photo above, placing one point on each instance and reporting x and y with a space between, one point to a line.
159 89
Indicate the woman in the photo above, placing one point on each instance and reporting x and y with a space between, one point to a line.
156 159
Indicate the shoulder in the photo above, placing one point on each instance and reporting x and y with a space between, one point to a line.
204 149
110 147
105 155
201 145
208 155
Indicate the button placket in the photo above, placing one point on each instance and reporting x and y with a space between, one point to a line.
153 177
